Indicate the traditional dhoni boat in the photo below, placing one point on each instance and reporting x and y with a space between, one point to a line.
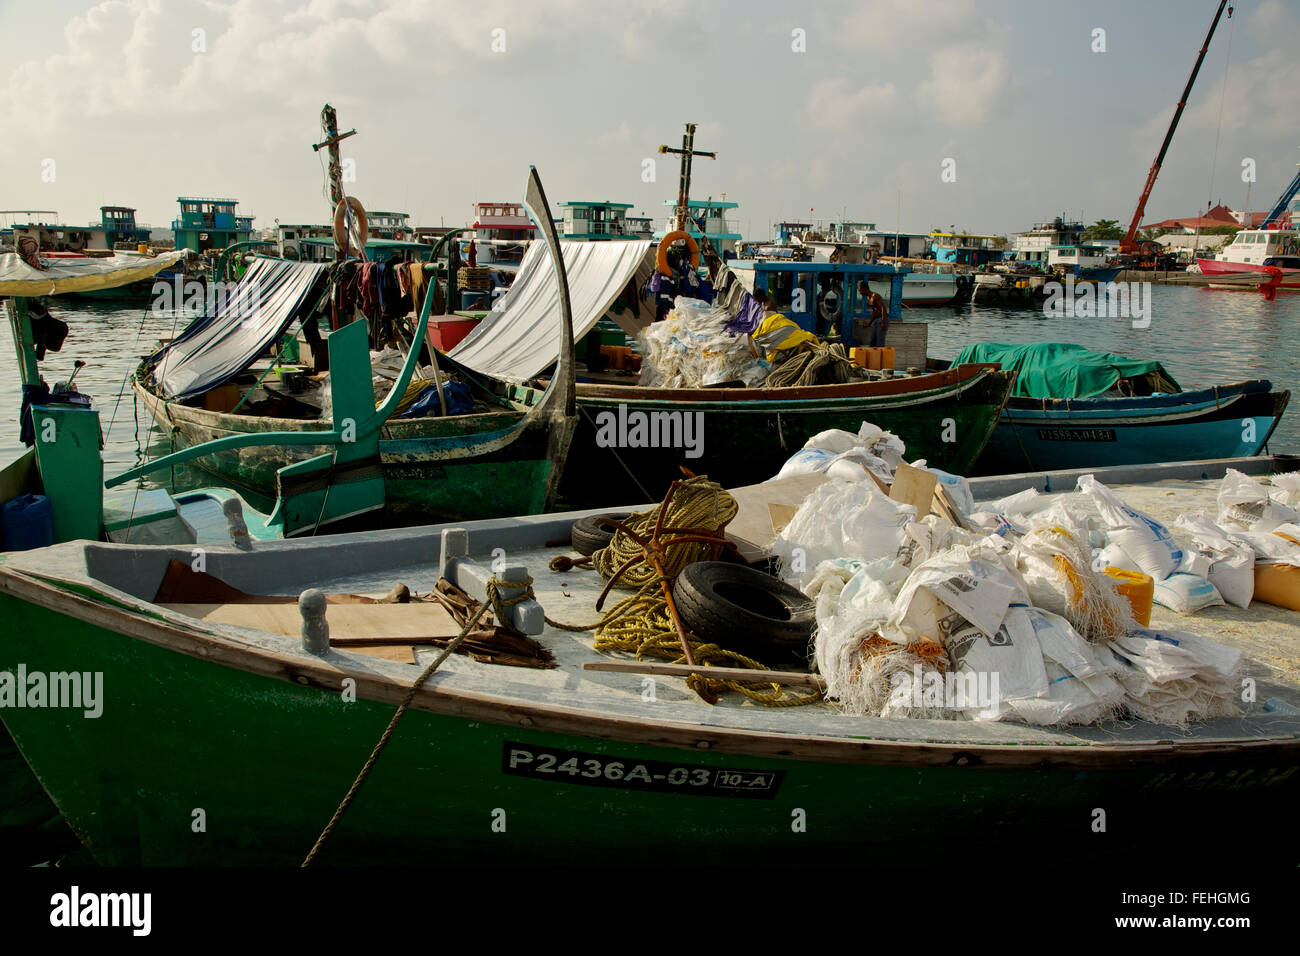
737 434
217 695
499 454
1075 408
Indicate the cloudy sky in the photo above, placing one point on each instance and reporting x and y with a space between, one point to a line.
839 107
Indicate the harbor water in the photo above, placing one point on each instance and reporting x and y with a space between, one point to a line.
1203 336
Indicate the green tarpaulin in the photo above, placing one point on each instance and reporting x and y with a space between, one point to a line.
1062 370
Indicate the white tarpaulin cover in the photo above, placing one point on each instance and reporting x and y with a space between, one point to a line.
520 337
17 278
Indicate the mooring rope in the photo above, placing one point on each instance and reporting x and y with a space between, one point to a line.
498 604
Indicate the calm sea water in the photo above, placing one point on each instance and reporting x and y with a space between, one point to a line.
1204 337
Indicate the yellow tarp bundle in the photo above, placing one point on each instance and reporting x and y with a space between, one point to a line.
18 279
776 334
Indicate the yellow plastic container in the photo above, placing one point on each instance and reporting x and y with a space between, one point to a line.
858 355
886 356
1138 588
873 358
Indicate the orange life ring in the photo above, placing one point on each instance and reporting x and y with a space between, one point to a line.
356 242
661 259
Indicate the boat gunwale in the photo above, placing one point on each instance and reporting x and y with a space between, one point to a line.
958 377
224 646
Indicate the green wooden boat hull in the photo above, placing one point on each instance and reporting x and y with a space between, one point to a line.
457 468
195 762
748 434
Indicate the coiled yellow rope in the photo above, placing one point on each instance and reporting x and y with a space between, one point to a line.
641 623
699 504
820 364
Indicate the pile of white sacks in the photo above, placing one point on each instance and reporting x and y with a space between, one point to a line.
692 348
1014 619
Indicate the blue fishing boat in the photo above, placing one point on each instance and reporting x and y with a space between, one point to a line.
1074 408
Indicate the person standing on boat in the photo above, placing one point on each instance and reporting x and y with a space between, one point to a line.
878 324
684 280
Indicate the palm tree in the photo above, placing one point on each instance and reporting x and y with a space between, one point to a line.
1104 229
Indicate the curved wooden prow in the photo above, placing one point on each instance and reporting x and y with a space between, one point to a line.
560 404
537 206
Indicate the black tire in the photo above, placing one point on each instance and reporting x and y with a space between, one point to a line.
745 610
589 537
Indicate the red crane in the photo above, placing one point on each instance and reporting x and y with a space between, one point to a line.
1128 245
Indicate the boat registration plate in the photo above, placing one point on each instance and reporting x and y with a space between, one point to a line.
1076 434
654 776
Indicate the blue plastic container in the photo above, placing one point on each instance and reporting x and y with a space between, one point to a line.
26 522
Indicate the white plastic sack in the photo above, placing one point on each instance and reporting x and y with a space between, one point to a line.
853 599
1244 504
1286 488
1113 556
954 588
833 440
806 461
1187 593
1144 539
1230 560
1009 663
1171 677
1021 503
842 519
691 348
1080 687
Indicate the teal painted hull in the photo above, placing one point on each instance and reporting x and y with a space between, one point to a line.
1230 422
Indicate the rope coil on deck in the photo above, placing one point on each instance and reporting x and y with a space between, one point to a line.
642 623
820 364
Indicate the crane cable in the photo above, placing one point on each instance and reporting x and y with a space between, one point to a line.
1218 132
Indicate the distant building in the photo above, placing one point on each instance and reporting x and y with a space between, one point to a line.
594 221
210 224
1219 215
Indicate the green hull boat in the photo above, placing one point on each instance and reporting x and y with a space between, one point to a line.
742 435
217 743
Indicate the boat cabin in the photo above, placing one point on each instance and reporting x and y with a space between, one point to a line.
117 226
210 224
321 249
964 248
502 230
1254 246
1074 257
389 225
594 221
1032 246
821 296
288 237
724 233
